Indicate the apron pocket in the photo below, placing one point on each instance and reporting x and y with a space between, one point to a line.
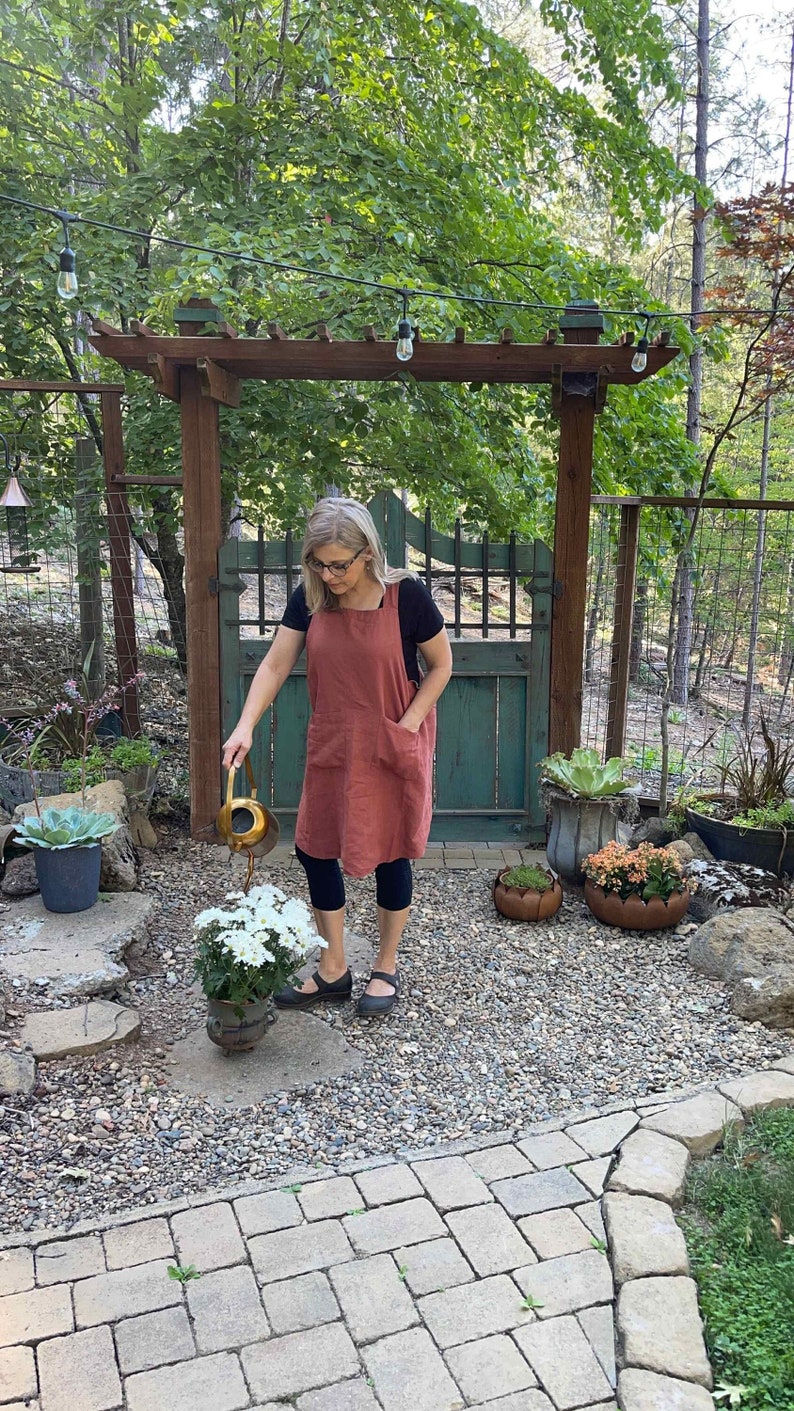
325 743
397 749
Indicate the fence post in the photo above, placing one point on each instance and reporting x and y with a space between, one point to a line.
120 566
621 632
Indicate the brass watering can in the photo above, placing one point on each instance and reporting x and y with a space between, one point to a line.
245 824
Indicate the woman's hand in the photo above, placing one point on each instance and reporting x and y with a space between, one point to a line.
236 747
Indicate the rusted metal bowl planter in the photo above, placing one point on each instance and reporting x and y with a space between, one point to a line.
234 1033
524 903
632 913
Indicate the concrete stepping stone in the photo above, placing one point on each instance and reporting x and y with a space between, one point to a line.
77 954
659 1328
297 1050
647 1391
643 1237
652 1164
55 1033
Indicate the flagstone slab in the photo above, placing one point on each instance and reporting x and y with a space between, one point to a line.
647 1391
75 954
759 1091
90 1028
659 1328
644 1238
651 1164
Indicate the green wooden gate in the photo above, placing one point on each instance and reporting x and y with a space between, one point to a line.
493 719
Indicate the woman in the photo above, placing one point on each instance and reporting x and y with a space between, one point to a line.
367 788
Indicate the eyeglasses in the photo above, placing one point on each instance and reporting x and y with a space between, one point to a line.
336 570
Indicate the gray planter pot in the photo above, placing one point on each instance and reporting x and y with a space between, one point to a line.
16 784
582 826
139 784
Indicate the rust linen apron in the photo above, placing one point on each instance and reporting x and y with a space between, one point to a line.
367 790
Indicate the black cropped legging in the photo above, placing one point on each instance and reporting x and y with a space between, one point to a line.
393 882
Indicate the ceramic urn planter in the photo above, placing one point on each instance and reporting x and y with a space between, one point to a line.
524 903
632 913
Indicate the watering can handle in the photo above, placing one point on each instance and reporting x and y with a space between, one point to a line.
230 782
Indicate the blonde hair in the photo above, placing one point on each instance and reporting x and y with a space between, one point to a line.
341 521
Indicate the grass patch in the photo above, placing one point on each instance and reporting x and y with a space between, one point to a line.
739 1226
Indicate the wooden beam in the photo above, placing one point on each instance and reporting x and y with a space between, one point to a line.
108 329
201 471
22 384
626 339
662 339
140 329
217 383
625 584
369 333
147 480
165 375
550 337
688 502
506 335
460 335
323 333
571 538
308 358
120 563
275 331
556 388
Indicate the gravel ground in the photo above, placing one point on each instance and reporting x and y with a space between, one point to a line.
500 1025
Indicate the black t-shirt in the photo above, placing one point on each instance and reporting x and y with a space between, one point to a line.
420 619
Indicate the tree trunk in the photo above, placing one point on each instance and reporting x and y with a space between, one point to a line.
697 688
88 532
679 686
638 628
165 556
592 624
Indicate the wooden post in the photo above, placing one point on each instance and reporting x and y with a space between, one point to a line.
580 324
201 474
621 631
120 565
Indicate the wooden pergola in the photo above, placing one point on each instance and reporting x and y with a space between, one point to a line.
202 369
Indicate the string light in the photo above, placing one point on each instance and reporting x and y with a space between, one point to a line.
67 285
640 360
327 276
405 334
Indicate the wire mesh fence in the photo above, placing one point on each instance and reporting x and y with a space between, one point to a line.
733 662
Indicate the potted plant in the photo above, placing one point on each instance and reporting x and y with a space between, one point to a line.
246 951
586 799
67 850
640 889
751 818
527 893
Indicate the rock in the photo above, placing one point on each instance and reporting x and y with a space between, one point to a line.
659 1328
120 861
647 1391
766 1000
19 878
17 1072
753 951
73 954
88 1029
722 885
699 1122
699 849
682 850
643 1237
658 831
143 834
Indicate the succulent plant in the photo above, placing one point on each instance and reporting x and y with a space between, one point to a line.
64 828
583 776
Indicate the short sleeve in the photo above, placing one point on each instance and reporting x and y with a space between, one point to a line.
296 613
420 611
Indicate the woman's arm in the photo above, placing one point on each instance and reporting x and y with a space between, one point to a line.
438 655
271 674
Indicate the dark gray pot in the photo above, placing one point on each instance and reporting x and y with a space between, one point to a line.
68 878
16 784
769 848
578 827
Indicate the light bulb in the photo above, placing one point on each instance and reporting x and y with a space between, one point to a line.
640 360
405 344
67 279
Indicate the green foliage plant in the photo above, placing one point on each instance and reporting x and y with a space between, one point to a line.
779 815
183 1273
72 768
64 828
583 776
644 871
757 780
738 1221
532 877
132 754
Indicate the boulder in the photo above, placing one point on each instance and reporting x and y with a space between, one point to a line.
17 1072
120 861
658 831
752 950
722 885
682 850
699 849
